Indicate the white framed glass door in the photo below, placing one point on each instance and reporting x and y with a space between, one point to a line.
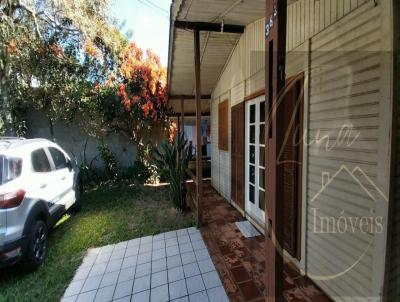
255 159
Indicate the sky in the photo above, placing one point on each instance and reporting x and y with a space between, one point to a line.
149 26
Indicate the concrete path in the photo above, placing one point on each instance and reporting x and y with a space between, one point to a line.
173 266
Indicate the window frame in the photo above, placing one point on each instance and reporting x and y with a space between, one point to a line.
52 163
49 159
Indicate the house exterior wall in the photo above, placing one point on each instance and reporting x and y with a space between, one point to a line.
343 47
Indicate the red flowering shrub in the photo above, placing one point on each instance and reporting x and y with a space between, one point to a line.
143 91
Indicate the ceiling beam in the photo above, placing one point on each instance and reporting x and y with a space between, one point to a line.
188 97
206 26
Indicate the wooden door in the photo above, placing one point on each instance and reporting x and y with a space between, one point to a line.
237 155
292 154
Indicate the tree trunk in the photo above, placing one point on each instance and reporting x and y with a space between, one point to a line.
51 124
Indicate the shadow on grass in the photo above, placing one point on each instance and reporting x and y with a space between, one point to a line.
109 214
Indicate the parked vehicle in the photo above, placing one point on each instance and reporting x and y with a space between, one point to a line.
38 184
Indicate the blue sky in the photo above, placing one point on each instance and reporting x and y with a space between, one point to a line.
149 26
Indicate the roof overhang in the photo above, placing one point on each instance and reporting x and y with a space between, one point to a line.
221 23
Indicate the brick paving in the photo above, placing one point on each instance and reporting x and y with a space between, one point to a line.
240 261
173 266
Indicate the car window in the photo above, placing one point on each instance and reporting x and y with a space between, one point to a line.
40 162
10 169
59 159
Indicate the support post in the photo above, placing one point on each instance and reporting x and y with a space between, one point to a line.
275 47
182 115
199 176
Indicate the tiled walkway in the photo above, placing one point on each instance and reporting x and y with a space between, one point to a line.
240 261
173 266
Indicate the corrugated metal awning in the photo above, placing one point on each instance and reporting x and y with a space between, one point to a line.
216 47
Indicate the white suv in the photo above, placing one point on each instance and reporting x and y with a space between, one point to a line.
38 183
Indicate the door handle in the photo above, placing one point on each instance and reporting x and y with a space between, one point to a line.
42 186
63 178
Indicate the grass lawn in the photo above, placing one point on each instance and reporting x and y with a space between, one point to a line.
109 214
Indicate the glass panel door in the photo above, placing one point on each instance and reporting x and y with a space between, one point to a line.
255 159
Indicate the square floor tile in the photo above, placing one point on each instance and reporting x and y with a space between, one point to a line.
145 247
91 284
171 242
181 232
174 261
158 254
105 257
132 251
105 294
145 240
199 297
172 250
86 297
143 269
195 284
141 284
69 299
109 279
117 254
141 297
97 269
177 289
133 242
186 247
217 294
74 288
159 265
175 274
171 234
191 269
202 254
121 245
188 257
206 266
183 239
82 273
144 258
123 289
159 245
129 262
211 279
159 294
183 299
198 245
114 265
158 279
126 274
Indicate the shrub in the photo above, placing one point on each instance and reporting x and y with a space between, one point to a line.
109 160
139 173
172 160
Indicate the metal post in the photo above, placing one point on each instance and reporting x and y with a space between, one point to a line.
199 174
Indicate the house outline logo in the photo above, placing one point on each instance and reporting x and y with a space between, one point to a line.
352 173
325 184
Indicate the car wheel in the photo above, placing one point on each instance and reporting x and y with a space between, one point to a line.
78 195
37 245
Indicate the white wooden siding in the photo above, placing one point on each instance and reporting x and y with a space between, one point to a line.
346 89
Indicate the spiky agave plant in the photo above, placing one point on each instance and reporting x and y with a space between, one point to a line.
172 159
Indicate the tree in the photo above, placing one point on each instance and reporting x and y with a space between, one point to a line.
134 100
43 43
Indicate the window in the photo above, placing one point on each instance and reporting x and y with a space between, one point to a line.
10 169
59 159
223 126
40 162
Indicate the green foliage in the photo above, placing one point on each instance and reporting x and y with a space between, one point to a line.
139 173
109 160
172 159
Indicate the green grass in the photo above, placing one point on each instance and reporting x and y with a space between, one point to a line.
109 214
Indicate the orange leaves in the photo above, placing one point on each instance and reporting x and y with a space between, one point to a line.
12 47
91 49
144 89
